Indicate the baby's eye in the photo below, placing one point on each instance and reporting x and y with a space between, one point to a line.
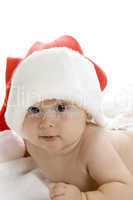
33 109
61 107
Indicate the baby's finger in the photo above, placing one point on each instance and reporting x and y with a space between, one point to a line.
56 195
58 198
57 191
61 184
51 186
57 186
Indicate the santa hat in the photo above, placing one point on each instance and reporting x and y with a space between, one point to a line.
56 70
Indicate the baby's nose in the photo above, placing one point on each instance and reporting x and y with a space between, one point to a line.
46 123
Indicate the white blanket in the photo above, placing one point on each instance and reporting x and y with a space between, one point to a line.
21 180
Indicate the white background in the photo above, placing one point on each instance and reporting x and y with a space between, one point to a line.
104 29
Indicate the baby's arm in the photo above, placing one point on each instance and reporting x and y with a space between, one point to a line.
108 170
11 146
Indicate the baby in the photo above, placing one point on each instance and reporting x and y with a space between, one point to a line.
76 154
58 115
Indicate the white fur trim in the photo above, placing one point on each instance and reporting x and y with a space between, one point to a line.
59 73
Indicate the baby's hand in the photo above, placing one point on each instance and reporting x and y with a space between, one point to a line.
63 191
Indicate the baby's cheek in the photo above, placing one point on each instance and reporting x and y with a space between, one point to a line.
27 131
28 124
32 132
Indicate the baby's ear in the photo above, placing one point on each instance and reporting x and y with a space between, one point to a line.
88 121
88 117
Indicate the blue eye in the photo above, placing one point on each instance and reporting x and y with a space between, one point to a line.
61 107
33 109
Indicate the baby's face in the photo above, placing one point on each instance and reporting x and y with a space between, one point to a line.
54 124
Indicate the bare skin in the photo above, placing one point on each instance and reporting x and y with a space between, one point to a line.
84 161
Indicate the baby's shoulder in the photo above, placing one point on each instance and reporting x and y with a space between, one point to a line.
95 135
91 138
93 132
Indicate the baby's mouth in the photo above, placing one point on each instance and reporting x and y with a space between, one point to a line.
49 138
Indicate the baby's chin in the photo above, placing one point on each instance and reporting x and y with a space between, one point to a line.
52 146
59 146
